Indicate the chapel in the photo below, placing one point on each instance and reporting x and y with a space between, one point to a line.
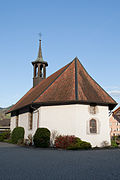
69 101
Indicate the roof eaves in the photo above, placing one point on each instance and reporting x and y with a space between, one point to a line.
51 103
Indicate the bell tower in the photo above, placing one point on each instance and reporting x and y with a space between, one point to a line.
39 67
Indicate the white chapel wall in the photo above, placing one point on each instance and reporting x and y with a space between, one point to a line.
12 123
74 120
68 120
23 121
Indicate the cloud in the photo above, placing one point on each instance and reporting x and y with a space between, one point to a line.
112 87
115 93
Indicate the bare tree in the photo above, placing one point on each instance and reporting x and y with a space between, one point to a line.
54 134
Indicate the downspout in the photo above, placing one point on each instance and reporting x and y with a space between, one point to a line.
38 115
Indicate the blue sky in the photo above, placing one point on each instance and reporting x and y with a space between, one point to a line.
88 29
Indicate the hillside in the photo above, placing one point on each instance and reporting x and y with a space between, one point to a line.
2 113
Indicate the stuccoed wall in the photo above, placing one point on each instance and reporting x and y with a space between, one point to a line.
23 121
68 120
13 123
74 120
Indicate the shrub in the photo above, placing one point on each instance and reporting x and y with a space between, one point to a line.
80 145
118 137
71 143
17 134
64 141
42 138
113 138
20 141
4 135
7 135
1 137
113 143
77 139
29 141
8 140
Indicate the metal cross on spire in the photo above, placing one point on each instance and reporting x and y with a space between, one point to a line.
40 49
40 35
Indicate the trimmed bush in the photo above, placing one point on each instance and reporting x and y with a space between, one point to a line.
17 134
64 142
42 138
80 145
78 140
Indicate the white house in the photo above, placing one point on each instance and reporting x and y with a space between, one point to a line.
69 101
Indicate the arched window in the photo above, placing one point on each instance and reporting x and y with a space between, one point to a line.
93 126
37 71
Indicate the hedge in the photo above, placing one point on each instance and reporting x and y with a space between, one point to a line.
80 145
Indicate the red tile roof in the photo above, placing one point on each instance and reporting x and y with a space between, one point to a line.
70 84
116 114
116 110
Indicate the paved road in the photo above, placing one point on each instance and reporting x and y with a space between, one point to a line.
19 163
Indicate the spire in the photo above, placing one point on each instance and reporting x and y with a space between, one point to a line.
40 58
39 66
40 50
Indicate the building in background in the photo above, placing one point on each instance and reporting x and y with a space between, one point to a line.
4 125
4 119
115 123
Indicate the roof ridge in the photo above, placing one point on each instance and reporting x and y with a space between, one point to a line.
96 82
52 82
76 80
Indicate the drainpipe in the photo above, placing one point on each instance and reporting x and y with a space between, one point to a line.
38 115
